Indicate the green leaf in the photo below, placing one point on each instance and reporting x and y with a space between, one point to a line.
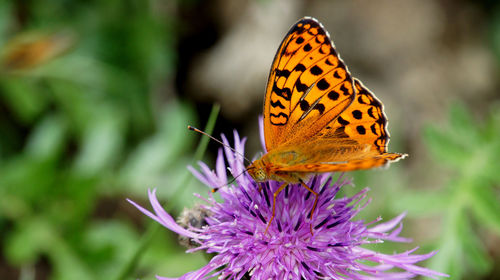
475 254
5 20
492 136
153 156
66 262
35 237
486 207
101 143
91 73
47 139
445 147
24 98
449 257
78 106
27 241
422 202
107 245
28 179
462 126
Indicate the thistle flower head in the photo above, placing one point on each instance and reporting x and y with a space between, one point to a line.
235 230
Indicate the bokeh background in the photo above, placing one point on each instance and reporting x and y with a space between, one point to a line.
95 97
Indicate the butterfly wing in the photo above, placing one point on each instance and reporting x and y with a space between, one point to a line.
355 164
357 139
308 86
317 118
364 121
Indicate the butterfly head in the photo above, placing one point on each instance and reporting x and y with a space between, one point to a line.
257 171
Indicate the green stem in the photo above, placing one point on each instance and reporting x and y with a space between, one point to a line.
198 155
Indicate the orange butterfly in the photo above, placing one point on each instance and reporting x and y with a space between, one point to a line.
317 117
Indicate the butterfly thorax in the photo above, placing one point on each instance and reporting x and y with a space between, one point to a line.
263 170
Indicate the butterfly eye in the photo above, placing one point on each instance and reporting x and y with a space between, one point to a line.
261 176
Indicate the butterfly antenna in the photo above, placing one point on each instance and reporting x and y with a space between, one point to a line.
218 141
231 181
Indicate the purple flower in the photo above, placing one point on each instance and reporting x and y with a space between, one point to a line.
235 228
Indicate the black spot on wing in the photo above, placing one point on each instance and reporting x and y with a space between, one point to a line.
307 47
299 68
333 95
361 100
299 29
304 105
282 73
277 104
370 112
300 86
361 129
315 70
283 93
279 116
342 121
373 127
344 90
320 107
336 75
357 114
323 84
299 40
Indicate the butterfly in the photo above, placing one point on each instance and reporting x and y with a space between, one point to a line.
317 117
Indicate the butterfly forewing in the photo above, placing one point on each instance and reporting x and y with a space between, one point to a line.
308 86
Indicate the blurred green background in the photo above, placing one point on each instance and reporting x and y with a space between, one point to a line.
95 97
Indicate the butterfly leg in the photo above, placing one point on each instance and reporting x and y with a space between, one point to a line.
316 196
275 194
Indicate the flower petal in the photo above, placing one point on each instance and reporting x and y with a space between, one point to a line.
162 216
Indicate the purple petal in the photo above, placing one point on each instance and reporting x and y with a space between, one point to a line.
199 176
261 130
221 167
384 227
163 217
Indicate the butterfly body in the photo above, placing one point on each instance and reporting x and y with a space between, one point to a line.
270 165
294 162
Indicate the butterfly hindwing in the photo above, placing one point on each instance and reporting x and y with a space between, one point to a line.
363 121
357 139
308 86
356 164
